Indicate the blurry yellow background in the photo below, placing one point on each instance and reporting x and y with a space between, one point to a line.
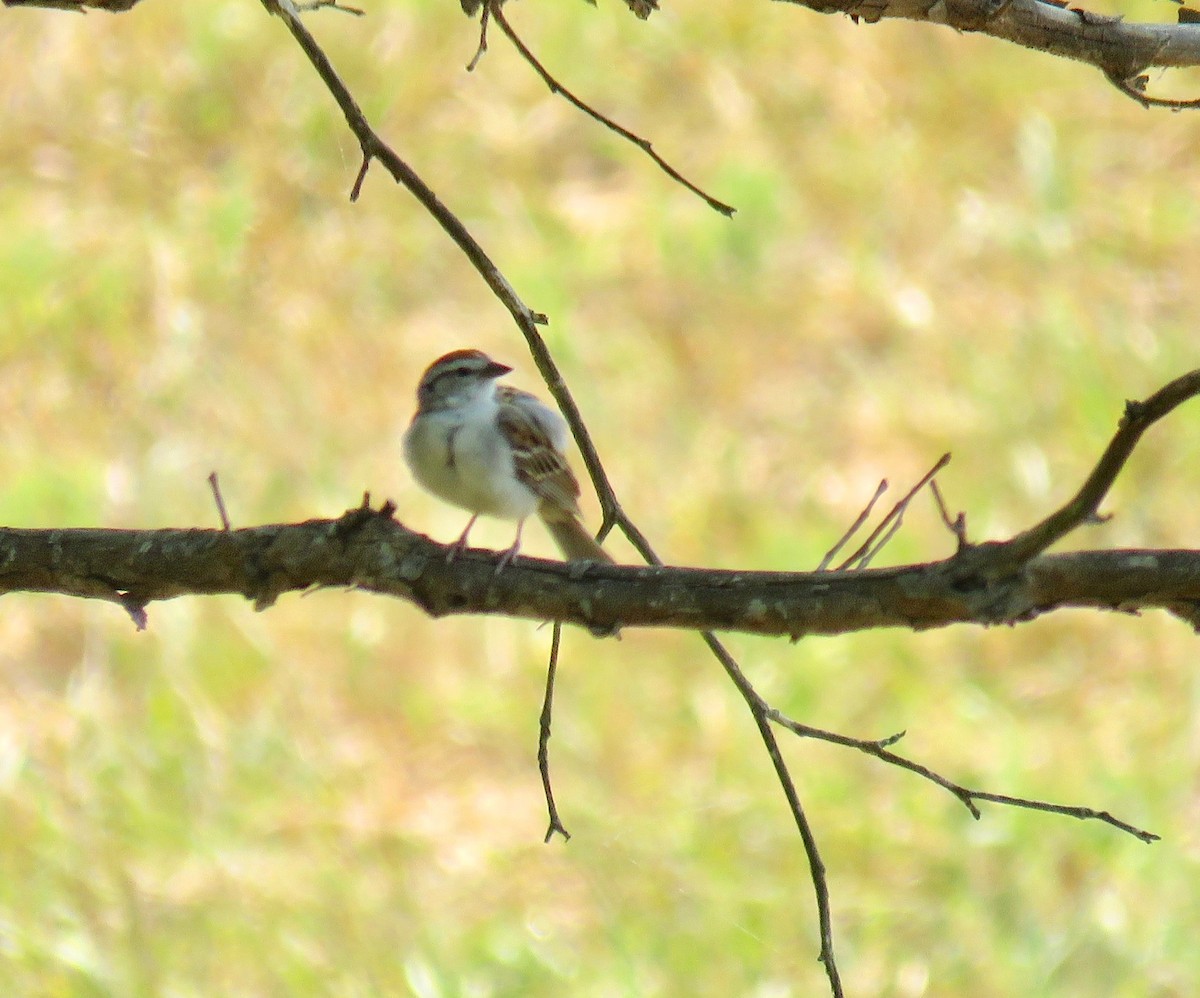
942 243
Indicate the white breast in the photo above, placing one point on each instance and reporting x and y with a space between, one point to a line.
459 455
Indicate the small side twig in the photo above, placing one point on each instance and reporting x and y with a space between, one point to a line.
1084 506
483 26
890 523
215 484
854 527
543 755
1134 88
957 526
880 749
625 133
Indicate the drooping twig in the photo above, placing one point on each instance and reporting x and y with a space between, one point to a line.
880 749
482 47
625 133
760 711
543 753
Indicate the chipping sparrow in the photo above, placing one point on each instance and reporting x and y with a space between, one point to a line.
494 450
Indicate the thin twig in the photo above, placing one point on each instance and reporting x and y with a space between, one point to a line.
761 713
1085 504
869 556
879 748
625 133
957 526
868 548
374 148
615 515
854 527
483 26
215 485
543 754
1134 88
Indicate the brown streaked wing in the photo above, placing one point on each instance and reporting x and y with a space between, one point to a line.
538 464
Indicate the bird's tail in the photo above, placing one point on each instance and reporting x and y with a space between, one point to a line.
573 540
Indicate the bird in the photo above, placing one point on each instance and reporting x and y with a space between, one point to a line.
495 450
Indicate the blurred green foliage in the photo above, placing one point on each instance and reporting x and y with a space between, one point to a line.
943 243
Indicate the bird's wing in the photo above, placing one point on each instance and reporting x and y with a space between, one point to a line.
536 435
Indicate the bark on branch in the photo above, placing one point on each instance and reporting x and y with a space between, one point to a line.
1119 48
79 6
369 550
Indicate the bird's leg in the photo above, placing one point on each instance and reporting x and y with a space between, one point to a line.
511 552
459 545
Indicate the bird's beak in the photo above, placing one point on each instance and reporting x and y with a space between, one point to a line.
495 369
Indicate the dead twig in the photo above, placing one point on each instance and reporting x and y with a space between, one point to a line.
1135 87
543 754
483 26
880 749
869 548
625 133
854 527
1084 506
957 526
761 712
215 484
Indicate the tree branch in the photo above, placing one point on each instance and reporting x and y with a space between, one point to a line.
1085 505
1120 49
369 550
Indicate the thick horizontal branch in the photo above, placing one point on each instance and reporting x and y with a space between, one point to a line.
369 550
